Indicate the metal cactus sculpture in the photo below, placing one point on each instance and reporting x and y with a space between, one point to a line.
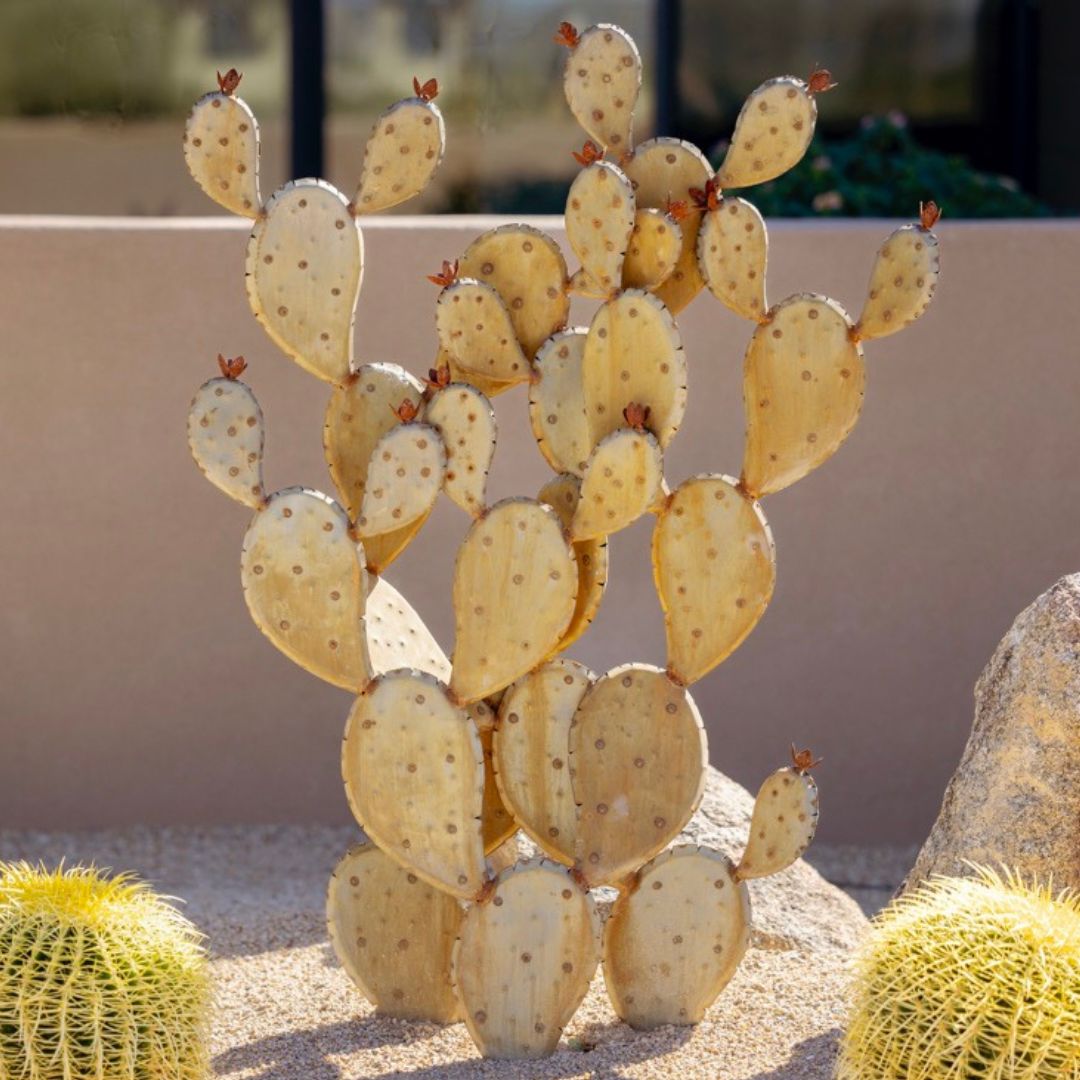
444 761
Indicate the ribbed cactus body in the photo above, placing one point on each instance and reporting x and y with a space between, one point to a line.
99 978
968 978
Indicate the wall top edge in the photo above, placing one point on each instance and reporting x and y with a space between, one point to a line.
481 222
216 223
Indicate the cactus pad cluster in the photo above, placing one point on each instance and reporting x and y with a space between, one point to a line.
444 760
99 977
968 977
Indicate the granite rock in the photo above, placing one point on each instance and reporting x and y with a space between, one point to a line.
1014 800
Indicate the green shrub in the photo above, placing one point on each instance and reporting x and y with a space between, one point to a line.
881 171
85 56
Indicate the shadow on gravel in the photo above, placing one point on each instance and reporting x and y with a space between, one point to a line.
304 1055
812 1059
605 1061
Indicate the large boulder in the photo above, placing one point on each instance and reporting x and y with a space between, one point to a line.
1014 800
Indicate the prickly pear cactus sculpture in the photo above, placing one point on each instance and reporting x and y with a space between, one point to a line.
444 760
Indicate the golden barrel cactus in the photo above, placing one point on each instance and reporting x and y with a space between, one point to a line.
968 978
99 977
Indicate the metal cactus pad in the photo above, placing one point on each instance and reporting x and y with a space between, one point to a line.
445 760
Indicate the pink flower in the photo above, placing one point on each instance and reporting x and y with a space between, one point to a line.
828 200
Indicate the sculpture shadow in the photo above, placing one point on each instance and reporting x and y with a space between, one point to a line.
595 1056
305 1055
819 1050
251 936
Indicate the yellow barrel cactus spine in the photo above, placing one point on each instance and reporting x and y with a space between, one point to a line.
99 977
968 978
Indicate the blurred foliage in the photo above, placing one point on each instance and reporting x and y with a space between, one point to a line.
882 171
135 59
85 56
516 196
131 60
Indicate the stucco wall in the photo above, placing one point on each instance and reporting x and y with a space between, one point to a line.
135 689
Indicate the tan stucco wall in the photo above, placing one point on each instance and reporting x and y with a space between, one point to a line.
135 689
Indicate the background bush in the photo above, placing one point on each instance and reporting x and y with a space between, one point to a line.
881 171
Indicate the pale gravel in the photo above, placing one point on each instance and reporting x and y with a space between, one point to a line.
286 1011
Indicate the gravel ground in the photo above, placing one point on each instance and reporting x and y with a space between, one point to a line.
286 1010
